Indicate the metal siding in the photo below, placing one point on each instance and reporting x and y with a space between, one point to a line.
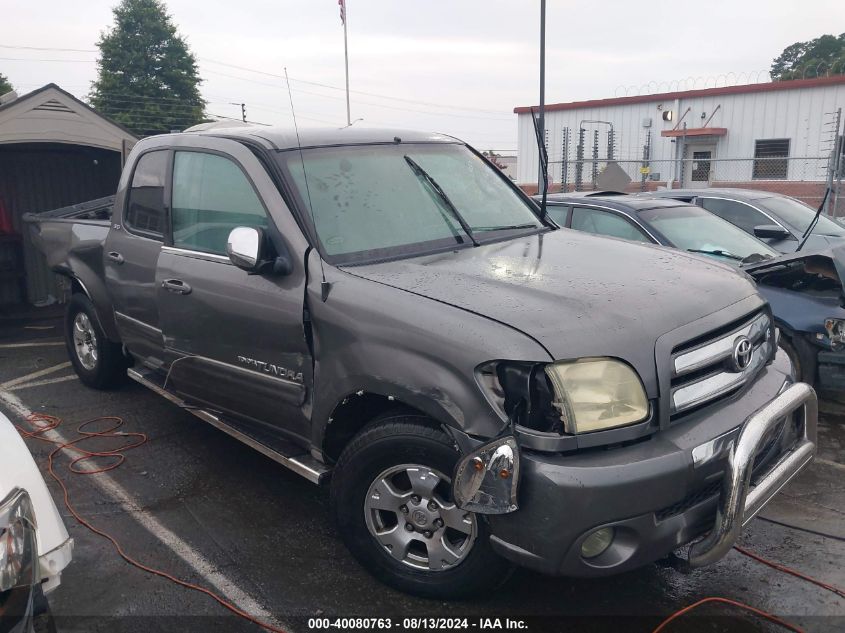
798 115
43 176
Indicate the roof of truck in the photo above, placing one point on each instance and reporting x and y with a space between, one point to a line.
286 138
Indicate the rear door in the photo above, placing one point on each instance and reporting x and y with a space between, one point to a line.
605 222
235 341
132 250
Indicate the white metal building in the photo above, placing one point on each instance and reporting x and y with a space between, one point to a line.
776 135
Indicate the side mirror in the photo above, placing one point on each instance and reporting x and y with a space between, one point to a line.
245 248
772 231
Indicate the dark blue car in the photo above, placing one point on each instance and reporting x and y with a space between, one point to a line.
804 289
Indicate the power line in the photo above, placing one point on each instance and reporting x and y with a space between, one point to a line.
371 94
268 74
26 59
428 112
41 48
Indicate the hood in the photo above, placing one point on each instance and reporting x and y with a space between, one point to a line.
832 257
575 293
804 288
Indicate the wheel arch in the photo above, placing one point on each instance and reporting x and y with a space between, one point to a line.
358 409
93 288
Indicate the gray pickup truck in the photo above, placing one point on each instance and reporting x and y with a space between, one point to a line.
385 309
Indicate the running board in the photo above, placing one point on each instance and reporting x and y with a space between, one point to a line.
302 464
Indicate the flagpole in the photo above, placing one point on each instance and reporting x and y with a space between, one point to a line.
346 59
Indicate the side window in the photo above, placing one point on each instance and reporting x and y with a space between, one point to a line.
211 196
558 213
605 223
145 206
737 213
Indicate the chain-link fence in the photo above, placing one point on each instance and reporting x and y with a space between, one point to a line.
804 177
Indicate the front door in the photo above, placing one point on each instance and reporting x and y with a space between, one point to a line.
699 165
235 342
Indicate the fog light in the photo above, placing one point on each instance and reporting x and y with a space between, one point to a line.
597 542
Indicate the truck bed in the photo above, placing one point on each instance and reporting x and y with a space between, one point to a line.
72 237
99 209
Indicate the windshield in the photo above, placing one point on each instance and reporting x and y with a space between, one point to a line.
697 230
799 215
378 201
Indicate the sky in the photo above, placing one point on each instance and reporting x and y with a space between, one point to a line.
452 66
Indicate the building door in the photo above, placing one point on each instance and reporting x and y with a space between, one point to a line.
699 166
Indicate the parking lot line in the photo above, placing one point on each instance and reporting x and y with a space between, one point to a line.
35 374
41 383
827 462
44 343
196 561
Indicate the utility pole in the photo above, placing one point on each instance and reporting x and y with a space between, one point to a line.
542 116
243 110
342 4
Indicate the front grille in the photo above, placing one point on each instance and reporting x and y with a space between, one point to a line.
703 370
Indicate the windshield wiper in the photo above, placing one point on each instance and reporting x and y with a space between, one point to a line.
815 221
505 227
717 252
426 177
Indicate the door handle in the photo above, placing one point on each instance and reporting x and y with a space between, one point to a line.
116 257
176 286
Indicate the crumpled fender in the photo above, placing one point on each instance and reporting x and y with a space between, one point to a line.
377 339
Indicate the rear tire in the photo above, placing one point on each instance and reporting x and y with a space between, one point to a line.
98 362
391 493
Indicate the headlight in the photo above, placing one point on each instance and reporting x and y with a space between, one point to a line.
594 394
835 332
18 548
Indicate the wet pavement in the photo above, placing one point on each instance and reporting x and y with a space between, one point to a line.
266 534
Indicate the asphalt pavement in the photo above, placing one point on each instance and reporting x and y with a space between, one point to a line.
200 506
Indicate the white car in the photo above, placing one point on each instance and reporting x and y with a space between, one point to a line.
34 543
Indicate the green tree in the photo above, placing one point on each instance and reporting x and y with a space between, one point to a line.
822 56
147 77
5 85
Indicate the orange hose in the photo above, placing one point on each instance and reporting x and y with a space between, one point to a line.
762 614
790 571
43 423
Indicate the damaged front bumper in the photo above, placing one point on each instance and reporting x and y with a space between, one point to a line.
597 513
739 501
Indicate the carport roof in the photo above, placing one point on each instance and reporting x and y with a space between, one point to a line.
52 115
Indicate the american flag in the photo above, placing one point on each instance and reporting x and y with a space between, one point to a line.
342 5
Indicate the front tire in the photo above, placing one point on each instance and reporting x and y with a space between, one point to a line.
803 363
391 493
98 362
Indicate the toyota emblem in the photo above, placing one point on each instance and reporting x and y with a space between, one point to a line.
742 353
